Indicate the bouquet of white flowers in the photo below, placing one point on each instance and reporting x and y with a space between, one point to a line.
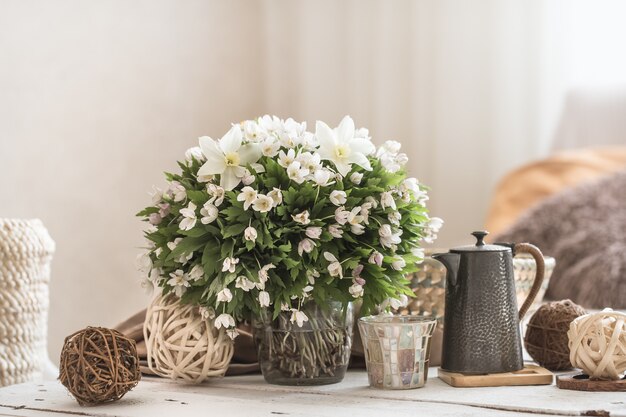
271 216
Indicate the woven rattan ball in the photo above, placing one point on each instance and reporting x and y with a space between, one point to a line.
546 336
597 344
183 345
99 365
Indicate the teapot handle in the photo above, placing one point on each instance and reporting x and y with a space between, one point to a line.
541 268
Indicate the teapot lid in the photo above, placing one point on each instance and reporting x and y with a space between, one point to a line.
480 245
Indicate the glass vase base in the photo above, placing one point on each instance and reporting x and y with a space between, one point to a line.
277 378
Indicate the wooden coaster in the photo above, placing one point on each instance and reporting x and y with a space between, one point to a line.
530 375
581 382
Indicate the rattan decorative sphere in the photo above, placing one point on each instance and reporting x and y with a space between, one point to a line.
546 335
181 344
597 344
99 365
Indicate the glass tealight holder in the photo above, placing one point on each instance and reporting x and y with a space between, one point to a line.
397 350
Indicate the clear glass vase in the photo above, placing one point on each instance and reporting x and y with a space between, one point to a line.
315 354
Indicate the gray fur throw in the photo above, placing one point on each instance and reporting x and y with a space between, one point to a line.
584 229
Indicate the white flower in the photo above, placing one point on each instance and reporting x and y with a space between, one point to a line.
232 333
252 131
419 252
311 274
302 218
398 263
342 147
270 123
180 281
270 147
224 320
390 146
224 296
334 268
264 299
205 178
164 209
396 303
148 285
305 245
143 262
310 161
208 212
196 273
172 245
322 177
296 173
177 191
207 313
284 307
247 177
244 283
341 215
264 273
189 217
388 237
354 217
194 153
394 217
250 234
356 178
371 201
386 200
155 218
357 229
227 157
338 197
230 264
298 317
263 203
335 230
356 290
217 194
285 159
376 258
314 232
431 230
248 195
156 195
277 196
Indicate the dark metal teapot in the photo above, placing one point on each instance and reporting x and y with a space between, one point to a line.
481 324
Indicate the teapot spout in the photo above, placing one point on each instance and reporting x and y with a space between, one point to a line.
451 262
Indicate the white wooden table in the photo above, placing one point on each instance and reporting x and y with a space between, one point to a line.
251 396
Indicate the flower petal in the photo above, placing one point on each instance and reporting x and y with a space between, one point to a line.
360 159
364 146
345 130
231 141
343 167
326 137
249 154
229 179
330 257
215 162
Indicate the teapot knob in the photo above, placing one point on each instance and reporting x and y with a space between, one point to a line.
480 235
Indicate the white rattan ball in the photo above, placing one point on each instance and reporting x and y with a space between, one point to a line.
597 344
181 344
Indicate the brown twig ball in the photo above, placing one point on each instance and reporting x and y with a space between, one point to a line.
546 336
99 365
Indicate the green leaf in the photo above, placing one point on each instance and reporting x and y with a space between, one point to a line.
234 230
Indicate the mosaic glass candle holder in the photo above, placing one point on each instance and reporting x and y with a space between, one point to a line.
397 350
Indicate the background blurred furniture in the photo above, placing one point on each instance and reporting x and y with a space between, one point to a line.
527 186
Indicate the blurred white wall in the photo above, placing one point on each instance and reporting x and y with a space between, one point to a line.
98 98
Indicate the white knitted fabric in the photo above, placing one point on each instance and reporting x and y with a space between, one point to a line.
26 250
